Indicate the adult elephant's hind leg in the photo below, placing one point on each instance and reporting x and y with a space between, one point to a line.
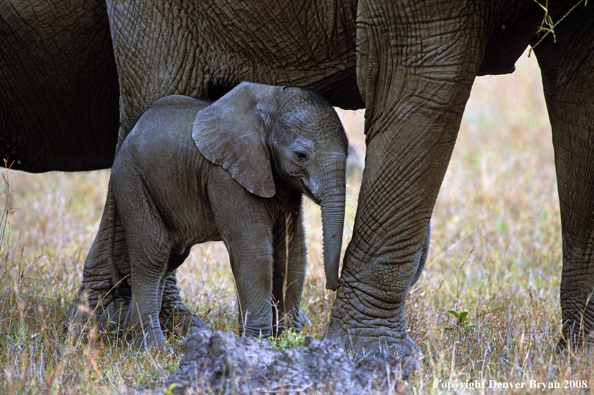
175 316
568 79
97 300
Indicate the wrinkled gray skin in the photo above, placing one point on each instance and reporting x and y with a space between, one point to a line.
234 171
411 65
58 86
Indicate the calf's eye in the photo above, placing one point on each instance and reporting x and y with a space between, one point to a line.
302 156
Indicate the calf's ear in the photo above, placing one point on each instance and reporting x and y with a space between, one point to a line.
230 133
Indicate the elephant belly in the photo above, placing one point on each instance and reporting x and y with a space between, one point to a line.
202 235
194 226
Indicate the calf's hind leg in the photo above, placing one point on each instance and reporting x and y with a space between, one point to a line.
148 275
149 250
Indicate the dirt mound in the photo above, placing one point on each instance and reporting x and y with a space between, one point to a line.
220 363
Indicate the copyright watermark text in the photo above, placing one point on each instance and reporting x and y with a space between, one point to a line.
495 384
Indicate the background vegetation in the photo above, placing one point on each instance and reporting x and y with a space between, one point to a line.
486 308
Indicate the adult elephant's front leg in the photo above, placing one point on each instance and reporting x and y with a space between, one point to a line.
415 92
386 252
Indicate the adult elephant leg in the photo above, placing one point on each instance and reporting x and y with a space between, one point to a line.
567 69
175 315
423 259
415 71
58 86
97 299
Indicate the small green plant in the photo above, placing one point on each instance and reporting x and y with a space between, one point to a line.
460 323
287 339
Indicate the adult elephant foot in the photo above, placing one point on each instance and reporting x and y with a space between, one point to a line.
175 316
370 335
100 303
578 333
367 324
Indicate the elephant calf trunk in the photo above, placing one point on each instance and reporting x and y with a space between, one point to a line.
333 207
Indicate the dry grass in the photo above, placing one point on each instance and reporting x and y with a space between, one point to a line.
495 253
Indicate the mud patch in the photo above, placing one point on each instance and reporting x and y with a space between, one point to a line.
220 363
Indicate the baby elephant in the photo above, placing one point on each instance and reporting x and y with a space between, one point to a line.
235 171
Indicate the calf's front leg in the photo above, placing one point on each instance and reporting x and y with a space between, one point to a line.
290 268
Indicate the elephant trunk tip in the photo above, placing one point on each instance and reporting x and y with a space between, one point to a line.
332 284
332 247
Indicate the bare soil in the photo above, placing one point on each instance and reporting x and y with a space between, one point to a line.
219 363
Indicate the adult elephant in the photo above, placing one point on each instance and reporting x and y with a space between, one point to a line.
412 65
58 86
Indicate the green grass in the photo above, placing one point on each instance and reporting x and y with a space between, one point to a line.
495 256
287 339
